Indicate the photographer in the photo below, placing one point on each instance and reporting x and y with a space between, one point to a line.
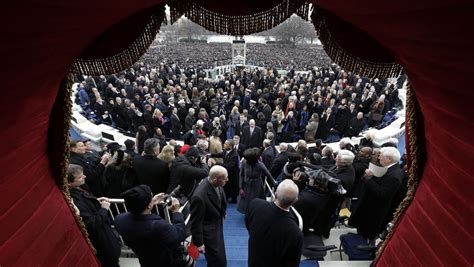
152 239
313 198
187 170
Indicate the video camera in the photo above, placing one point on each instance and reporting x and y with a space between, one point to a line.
324 179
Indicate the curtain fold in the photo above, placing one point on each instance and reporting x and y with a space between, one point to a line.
243 18
353 49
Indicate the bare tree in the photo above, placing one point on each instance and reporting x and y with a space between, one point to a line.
294 30
185 28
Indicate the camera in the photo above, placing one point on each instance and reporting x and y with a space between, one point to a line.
176 193
324 179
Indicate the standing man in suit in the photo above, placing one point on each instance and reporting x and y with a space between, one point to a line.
327 123
208 209
377 195
280 160
240 148
231 163
268 153
274 235
252 135
151 170
176 124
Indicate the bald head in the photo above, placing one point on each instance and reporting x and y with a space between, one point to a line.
365 152
218 175
286 194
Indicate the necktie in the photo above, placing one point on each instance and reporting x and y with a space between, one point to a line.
219 195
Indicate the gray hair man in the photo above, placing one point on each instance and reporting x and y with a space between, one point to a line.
377 203
344 170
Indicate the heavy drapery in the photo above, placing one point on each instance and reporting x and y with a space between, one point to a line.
432 40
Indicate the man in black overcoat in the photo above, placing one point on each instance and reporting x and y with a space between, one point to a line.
95 215
151 170
274 235
377 195
343 169
208 209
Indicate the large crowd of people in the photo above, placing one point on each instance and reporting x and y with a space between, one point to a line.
173 103
210 55
236 131
281 56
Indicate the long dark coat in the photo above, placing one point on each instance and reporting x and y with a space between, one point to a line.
153 240
207 215
274 236
152 171
375 202
252 181
97 222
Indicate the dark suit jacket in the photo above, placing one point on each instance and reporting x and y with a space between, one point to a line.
240 150
230 162
346 175
325 126
176 125
267 157
278 164
327 162
189 122
274 236
207 215
240 128
254 140
375 202
152 171
152 239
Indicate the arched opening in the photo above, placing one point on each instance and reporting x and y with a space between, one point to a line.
149 66
411 33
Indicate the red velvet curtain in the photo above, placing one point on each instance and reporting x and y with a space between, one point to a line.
433 40
40 39
434 43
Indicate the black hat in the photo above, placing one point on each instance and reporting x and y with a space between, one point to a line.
192 152
129 143
137 198
114 146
